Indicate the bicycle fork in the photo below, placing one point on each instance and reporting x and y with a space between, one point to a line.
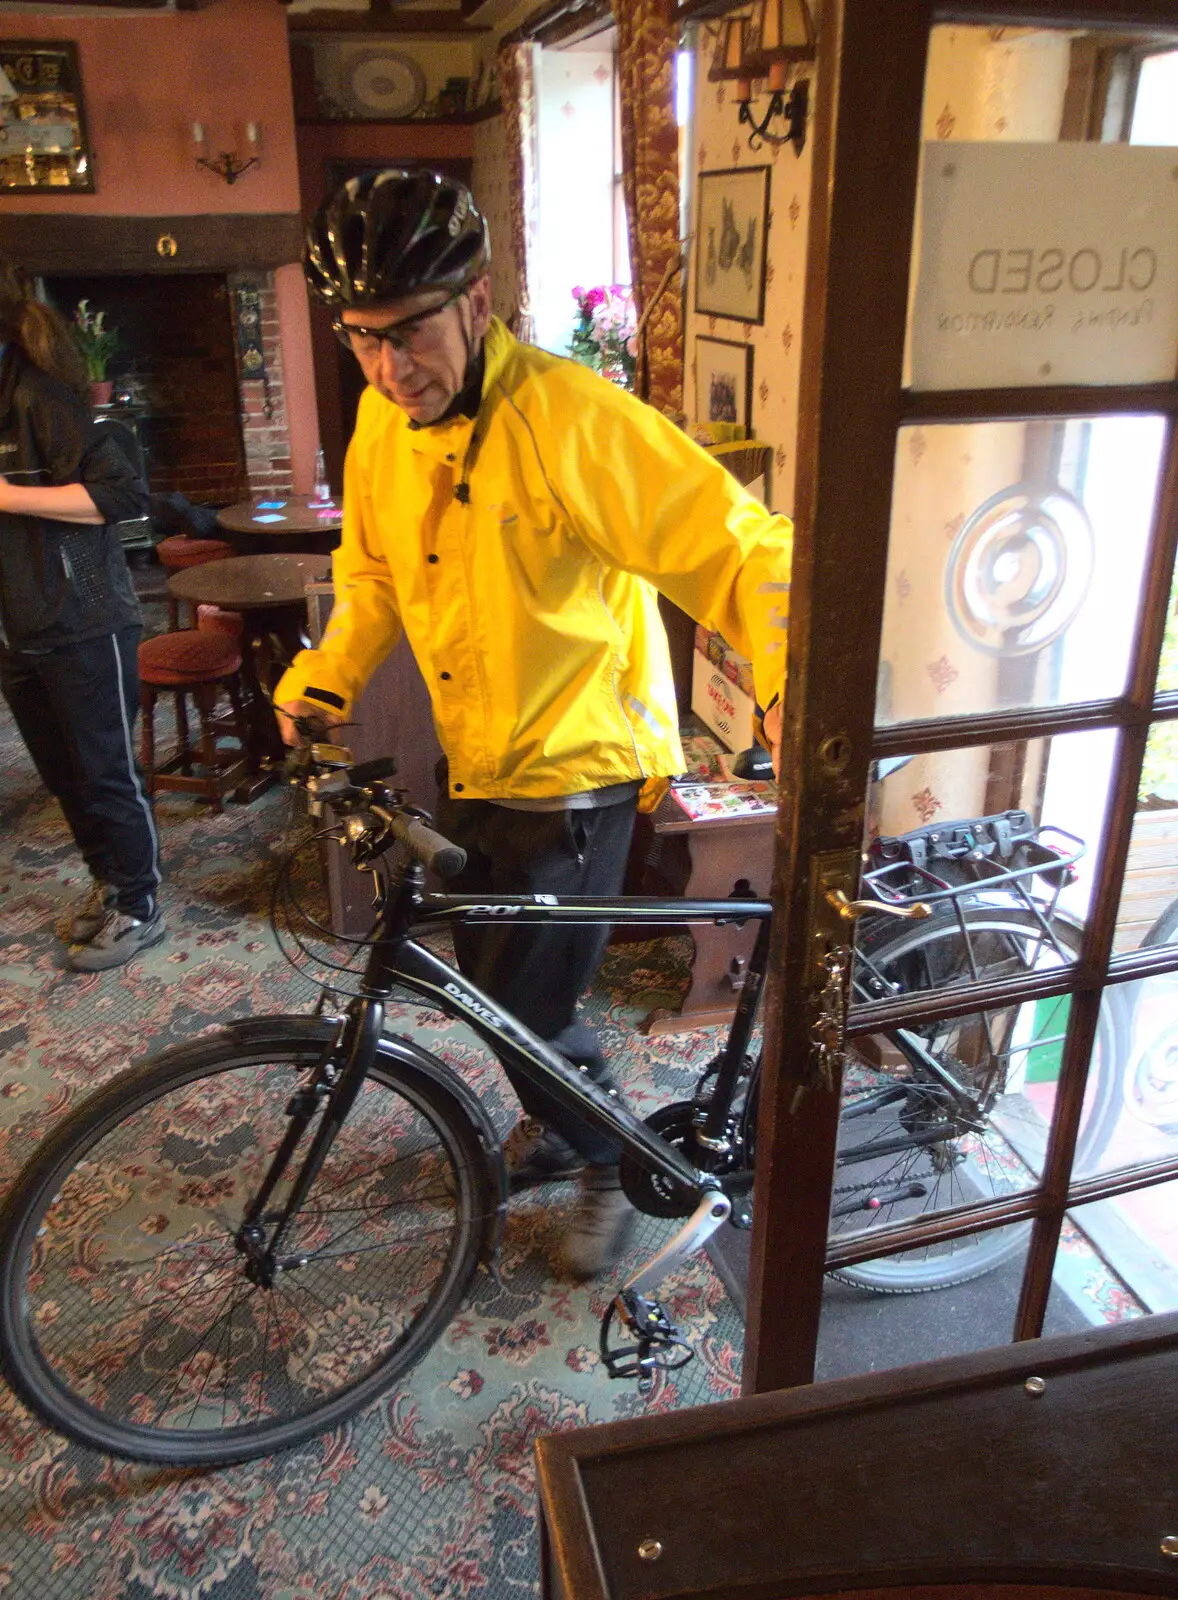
339 1085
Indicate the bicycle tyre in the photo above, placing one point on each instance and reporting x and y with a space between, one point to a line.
1151 1076
168 1154
985 1160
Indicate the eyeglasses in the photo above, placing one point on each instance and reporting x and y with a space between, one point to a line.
411 333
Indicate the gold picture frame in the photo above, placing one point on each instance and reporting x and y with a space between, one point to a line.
43 138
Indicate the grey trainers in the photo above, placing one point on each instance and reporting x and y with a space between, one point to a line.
535 1153
601 1227
82 921
118 939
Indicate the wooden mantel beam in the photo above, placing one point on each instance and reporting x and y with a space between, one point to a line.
404 24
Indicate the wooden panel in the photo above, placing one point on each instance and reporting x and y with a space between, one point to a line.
947 1479
1151 875
393 718
225 242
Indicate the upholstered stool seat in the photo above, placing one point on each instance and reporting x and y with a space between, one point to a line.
201 663
180 552
214 619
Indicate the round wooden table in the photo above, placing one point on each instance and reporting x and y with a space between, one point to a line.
294 524
270 593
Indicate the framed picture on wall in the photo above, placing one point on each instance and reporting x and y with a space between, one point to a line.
723 382
731 243
43 141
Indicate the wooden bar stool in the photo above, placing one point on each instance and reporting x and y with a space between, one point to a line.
203 663
179 552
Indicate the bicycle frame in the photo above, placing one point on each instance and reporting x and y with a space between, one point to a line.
412 966
397 960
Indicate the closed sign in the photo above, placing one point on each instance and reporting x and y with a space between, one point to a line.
1046 264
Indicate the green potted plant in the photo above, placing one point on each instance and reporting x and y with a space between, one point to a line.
97 343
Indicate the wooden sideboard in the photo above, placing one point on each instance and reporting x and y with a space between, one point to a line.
1039 1471
708 859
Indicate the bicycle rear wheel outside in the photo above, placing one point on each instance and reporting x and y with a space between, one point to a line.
904 1150
128 1320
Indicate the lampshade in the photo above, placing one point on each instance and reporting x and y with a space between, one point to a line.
782 30
734 44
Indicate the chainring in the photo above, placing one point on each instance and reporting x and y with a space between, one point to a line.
652 1193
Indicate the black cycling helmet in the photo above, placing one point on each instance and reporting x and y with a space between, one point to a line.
392 233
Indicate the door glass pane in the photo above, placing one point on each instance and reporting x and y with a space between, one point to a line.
1148 913
1043 247
1134 1106
1117 1259
866 1326
958 1111
1014 564
1010 827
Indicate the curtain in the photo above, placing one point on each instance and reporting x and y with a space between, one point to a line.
517 85
647 40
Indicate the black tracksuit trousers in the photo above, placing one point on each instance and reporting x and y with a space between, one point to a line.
539 972
75 706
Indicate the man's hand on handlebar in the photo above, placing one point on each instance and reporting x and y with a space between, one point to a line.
302 722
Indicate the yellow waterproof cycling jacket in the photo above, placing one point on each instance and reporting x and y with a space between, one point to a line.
521 554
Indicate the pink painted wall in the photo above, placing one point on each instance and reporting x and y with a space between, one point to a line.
147 78
298 374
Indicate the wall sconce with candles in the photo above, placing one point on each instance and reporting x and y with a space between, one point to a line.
764 43
227 164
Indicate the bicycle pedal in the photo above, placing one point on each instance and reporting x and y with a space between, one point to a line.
653 1333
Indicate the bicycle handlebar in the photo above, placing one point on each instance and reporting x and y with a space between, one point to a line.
432 849
326 773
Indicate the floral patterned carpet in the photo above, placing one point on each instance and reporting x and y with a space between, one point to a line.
431 1491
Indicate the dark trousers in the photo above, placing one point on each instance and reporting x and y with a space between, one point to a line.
538 973
75 707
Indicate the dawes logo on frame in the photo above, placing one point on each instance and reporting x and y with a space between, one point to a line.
472 1004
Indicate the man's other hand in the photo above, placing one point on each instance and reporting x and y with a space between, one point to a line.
771 723
290 709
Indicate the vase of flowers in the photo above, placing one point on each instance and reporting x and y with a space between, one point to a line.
604 332
97 343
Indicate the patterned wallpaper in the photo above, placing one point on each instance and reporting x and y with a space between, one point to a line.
718 143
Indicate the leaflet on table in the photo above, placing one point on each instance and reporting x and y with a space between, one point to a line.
271 516
703 800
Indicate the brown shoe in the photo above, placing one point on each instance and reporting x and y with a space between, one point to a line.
601 1227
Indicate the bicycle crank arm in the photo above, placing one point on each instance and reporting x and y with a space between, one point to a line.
713 1210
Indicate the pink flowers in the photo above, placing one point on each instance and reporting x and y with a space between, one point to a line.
604 335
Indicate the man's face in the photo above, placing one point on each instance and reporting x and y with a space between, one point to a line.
426 368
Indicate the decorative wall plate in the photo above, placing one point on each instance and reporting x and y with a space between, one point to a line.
382 83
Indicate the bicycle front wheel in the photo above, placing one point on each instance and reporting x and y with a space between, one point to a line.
908 1147
131 1319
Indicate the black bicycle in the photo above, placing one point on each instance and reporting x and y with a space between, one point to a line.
234 1246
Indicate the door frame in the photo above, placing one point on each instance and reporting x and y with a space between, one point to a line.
866 134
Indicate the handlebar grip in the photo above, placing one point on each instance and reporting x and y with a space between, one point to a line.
372 771
431 848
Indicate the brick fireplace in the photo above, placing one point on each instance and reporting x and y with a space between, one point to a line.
200 360
200 353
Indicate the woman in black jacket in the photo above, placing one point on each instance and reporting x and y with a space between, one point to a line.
70 624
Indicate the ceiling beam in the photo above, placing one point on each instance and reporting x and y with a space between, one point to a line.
405 24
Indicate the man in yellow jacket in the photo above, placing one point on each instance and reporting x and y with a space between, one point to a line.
516 515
